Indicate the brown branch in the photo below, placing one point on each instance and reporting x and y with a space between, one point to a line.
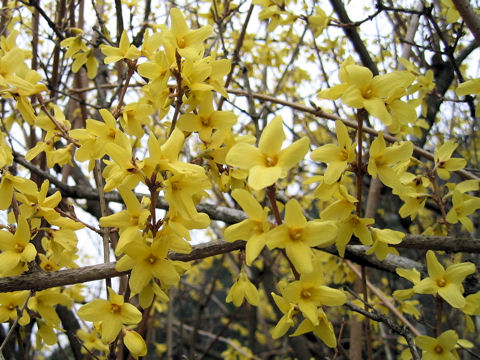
43 280
469 16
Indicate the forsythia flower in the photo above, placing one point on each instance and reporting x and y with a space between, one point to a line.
462 206
124 50
381 240
444 162
336 156
446 283
382 159
17 250
353 225
289 310
113 313
360 89
267 163
134 343
309 293
253 229
438 348
297 236
470 87
324 329
243 289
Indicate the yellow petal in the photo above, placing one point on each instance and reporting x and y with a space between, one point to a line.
272 137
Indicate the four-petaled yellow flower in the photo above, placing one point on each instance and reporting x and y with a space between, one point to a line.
243 289
381 240
124 50
309 293
463 205
253 230
207 119
438 348
113 313
382 159
324 329
147 262
470 87
17 250
336 156
446 283
267 163
444 163
360 89
297 236
353 225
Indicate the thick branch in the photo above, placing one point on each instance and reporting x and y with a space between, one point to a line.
43 280
469 16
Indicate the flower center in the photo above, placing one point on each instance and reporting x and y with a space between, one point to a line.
295 234
271 161
205 121
115 309
441 282
152 259
306 294
438 349
48 267
181 43
11 307
18 248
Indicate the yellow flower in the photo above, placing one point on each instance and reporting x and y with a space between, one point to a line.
17 250
180 190
353 225
10 182
463 205
446 283
91 341
412 275
267 163
134 343
130 221
243 289
124 50
44 303
382 159
147 262
309 293
188 43
89 60
336 156
289 310
297 236
324 329
113 313
470 87
74 45
207 119
95 137
125 169
381 240
253 229
450 11
360 89
444 162
10 304
438 348
134 116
